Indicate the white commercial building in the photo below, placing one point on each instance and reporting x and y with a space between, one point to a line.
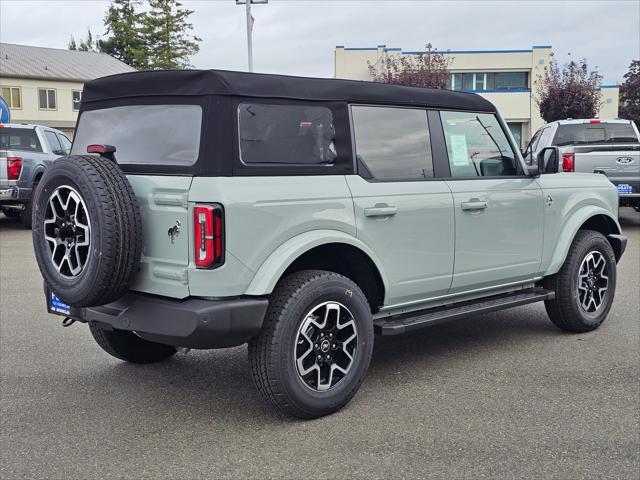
507 78
44 85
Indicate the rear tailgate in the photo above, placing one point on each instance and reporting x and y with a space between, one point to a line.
621 163
165 256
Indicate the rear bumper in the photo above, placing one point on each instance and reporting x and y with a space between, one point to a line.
15 194
193 322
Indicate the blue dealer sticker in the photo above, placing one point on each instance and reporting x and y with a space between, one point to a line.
58 305
624 188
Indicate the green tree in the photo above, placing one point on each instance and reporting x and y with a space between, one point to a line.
166 34
86 45
570 91
123 37
630 94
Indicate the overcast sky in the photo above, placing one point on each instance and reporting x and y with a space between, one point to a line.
299 37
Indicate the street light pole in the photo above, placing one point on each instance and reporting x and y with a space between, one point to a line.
249 35
247 4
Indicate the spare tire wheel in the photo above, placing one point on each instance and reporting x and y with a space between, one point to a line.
87 232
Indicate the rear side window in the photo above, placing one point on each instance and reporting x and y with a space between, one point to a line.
143 134
596 133
477 145
286 134
19 139
392 143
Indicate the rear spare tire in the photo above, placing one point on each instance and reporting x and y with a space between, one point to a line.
87 233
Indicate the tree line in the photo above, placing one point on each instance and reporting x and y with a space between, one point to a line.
151 35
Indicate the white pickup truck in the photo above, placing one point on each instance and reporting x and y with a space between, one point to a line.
611 147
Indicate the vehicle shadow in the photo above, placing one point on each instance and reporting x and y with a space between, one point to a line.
216 385
8 223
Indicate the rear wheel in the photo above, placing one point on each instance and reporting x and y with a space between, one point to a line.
585 285
129 347
315 346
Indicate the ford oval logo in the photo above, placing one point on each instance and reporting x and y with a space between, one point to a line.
624 160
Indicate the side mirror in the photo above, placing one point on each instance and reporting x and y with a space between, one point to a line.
548 160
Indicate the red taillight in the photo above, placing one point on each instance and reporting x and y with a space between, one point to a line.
594 121
208 226
101 149
14 166
568 162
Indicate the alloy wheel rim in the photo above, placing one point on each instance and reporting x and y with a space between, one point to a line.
593 282
67 230
326 346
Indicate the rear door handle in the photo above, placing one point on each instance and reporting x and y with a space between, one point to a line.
474 204
380 210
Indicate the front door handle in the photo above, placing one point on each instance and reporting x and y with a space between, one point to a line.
474 204
380 210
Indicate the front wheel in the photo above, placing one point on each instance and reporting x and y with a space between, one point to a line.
585 285
315 346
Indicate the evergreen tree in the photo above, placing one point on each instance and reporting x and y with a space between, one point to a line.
166 35
123 40
72 44
86 45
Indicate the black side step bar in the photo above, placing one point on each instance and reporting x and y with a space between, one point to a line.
423 318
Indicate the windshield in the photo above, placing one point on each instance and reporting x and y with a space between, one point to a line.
594 133
143 134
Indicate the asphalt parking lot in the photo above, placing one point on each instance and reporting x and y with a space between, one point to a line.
504 395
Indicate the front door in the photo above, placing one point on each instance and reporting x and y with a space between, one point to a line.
498 209
403 214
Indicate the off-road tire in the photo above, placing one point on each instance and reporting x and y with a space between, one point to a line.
565 311
271 353
116 230
129 347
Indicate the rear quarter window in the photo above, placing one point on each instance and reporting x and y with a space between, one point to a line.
286 134
19 139
143 134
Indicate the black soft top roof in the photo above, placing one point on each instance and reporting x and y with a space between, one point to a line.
222 82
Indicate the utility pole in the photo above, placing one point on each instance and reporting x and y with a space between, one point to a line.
247 4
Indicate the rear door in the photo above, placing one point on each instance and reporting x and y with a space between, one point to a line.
148 138
498 209
403 213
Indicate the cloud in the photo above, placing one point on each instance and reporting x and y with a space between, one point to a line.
298 37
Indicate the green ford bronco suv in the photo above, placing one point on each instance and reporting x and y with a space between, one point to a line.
207 209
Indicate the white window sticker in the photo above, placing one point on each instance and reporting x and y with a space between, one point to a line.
459 150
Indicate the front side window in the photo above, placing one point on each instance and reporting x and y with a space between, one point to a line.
286 134
12 96
66 144
477 145
392 143
47 98
143 134
76 97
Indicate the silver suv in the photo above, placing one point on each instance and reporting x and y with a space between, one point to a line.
207 209
610 147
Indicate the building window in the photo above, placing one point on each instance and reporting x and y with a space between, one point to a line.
12 96
482 81
511 81
47 98
77 98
